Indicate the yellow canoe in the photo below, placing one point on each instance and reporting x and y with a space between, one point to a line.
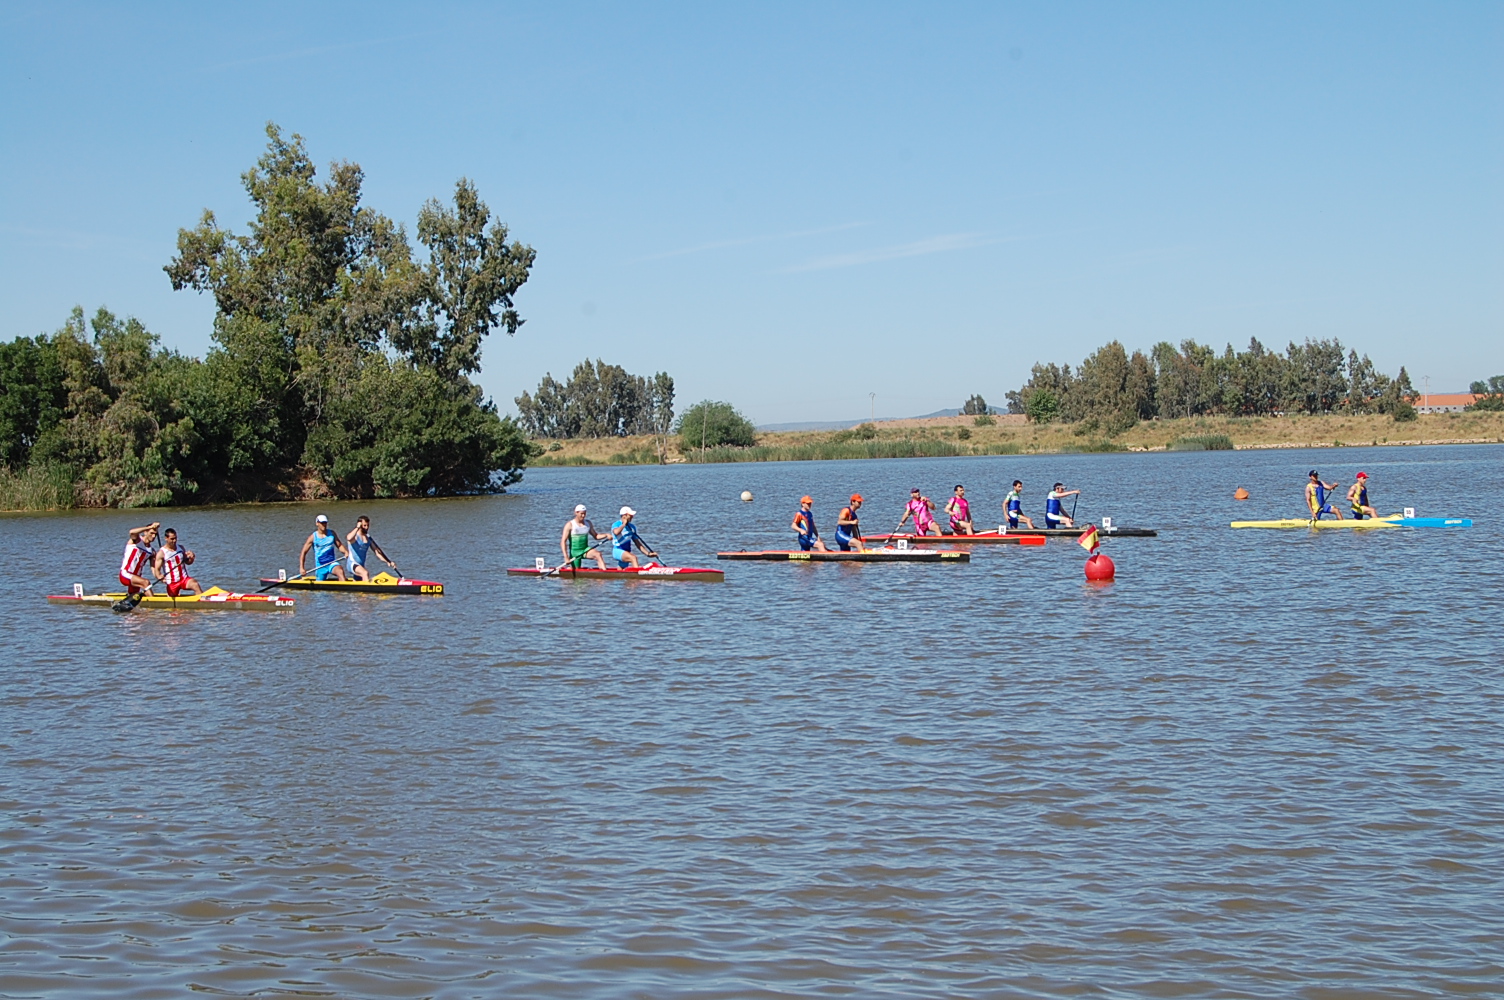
213 599
1305 522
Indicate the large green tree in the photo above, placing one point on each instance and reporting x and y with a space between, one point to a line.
324 318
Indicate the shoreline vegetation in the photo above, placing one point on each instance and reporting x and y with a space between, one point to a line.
945 437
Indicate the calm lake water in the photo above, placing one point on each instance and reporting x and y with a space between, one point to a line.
1260 764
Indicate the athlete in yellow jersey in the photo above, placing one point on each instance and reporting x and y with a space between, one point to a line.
1357 495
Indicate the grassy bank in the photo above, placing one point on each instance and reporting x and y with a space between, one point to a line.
44 487
949 437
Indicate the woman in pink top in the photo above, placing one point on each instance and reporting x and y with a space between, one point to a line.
922 510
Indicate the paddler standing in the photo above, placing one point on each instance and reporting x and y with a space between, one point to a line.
922 509
1013 504
576 539
1054 515
623 537
804 526
1357 495
848 528
326 548
138 556
959 509
361 546
1316 492
170 566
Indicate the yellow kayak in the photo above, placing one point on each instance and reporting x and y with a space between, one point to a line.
1305 522
213 599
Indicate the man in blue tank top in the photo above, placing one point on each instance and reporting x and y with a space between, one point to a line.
324 544
1316 492
804 526
361 546
623 537
1054 515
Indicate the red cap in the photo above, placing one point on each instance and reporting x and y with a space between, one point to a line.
1362 475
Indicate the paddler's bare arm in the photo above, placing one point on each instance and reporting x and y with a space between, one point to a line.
137 532
303 553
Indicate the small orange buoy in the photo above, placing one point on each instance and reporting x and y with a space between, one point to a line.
1241 494
1099 567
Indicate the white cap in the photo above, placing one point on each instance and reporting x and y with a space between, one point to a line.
579 508
321 519
628 510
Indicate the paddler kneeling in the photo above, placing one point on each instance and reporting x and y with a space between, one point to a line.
138 556
361 546
1316 491
922 509
959 509
576 539
848 528
1013 506
1054 515
1357 495
623 537
325 544
804 526
170 566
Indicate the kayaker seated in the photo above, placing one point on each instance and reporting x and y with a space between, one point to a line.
848 528
1357 496
326 548
804 527
576 539
624 537
170 566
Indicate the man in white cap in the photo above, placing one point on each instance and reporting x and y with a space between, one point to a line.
623 537
576 539
327 548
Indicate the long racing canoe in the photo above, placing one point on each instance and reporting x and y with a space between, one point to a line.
871 555
1392 521
694 573
381 583
980 538
213 599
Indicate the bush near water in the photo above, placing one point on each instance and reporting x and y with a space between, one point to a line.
340 365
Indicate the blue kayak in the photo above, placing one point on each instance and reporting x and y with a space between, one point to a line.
1431 522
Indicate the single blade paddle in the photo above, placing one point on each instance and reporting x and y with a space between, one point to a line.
290 579
578 560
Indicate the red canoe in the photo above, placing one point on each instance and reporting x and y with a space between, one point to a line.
642 573
982 536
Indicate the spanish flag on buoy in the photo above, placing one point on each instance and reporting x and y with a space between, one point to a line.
1088 539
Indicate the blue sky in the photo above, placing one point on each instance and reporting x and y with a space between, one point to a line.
793 206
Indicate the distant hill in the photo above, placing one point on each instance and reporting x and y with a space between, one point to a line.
835 425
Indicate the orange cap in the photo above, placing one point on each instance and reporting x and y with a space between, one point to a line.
856 498
806 499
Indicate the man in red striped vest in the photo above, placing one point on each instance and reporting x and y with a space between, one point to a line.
137 557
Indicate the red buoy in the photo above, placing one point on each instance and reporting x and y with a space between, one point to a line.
1099 567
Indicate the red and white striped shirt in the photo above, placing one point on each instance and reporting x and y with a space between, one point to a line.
135 559
172 567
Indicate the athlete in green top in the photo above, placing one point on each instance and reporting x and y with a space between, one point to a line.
576 538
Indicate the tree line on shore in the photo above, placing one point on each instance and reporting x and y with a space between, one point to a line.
340 365
1111 390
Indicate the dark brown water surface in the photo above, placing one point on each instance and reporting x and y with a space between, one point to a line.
1260 764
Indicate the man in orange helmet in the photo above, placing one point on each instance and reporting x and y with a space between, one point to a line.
804 525
848 528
